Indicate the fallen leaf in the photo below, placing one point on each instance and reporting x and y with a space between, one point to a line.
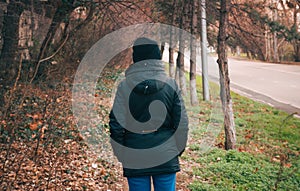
249 136
67 141
288 165
274 159
102 172
94 165
35 116
33 126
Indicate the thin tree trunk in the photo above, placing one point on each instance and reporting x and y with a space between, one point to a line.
171 50
180 57
229 126
180 75
162 48
171 62
297 52
269 46
267 54
193 87
296 41
275 40
205 84
180 66
177 73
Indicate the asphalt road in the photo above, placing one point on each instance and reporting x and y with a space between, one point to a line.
275 84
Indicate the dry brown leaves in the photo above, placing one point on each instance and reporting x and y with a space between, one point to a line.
68 167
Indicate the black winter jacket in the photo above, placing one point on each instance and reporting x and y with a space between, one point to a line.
132 126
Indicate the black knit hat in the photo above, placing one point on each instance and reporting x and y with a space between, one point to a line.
144 49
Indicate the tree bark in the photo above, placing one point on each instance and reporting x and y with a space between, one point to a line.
229 126
275 39
296 41
205 83
10 35
193 26
171 62
180 66
180 57
297 51
171 49
162 48
62 11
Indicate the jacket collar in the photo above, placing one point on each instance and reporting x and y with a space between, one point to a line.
144 67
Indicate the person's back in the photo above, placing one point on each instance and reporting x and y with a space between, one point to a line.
148 122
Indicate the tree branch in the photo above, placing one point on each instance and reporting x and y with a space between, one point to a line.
49 57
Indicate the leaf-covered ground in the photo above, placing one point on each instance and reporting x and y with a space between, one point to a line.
41 148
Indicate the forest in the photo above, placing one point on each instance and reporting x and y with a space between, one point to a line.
43 42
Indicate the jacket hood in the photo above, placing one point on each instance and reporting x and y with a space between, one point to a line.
146 77
144 49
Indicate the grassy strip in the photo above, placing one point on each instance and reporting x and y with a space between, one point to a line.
267 154
234 170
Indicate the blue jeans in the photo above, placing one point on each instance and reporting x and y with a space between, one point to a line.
165 182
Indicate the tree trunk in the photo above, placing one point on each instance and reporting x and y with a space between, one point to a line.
275 39
275 42
10 35
205 83
193 26
171 62
62 11
193 85
162 48
296 41
297 51
180 57
171 50
267 54
180 66
229 127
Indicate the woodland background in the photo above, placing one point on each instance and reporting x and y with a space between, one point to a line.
42 43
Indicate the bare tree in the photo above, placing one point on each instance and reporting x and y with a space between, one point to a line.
193 26
229 126
294 7
275 39
180 75
62 11
171 49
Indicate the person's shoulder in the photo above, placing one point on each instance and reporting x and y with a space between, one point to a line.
122 83
170 81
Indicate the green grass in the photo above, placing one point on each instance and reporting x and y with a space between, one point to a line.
267 150
233 170
268 147
270 123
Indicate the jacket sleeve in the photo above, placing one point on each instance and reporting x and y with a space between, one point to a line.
117 131
180 119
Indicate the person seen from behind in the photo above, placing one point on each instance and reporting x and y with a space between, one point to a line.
148 122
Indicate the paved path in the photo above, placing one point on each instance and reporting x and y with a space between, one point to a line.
275 84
